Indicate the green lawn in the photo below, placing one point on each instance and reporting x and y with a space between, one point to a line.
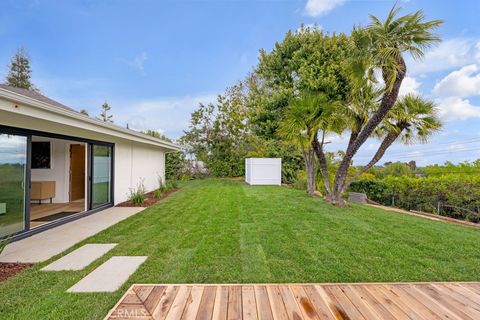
218 231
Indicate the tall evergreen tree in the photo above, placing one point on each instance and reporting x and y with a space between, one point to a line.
20 73
104 114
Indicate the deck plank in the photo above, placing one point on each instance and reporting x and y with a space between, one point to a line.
178 306
205 310
264 310
360 303
276 302
306 306
221 304
347 306
234 302
446 300
166 301
193 303
392 307
249 303
291 306
373 302
323 311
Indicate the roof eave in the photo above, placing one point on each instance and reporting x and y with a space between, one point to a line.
19 98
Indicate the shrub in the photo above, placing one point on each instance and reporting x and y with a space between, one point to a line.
458 195
137 195
173 184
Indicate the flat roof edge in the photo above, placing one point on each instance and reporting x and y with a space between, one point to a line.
22 99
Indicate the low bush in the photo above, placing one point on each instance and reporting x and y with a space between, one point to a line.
457 196
137 195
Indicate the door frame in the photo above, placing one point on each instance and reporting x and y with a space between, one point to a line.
89 142
70 171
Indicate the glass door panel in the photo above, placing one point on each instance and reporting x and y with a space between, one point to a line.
13 159
101 175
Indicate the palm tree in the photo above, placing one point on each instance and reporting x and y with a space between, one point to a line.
303 118
385 43
412 119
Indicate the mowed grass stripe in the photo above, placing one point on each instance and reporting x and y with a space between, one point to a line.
224 231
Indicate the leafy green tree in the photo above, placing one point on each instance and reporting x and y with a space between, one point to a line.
157 134
218 133
305 61
20 73
398 169
174 163
105 115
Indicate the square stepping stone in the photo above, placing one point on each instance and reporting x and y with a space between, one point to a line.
80 258
109 276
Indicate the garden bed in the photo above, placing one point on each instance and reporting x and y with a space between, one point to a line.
9 269
150 199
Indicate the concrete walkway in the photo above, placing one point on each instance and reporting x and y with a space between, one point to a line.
109 276
43 246
80 258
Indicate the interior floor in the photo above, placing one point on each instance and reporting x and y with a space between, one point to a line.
41 214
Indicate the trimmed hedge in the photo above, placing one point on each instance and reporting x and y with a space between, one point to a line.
458 195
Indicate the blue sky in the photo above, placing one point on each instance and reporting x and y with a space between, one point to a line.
154 61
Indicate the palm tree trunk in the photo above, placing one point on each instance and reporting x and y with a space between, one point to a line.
388 100
322 160
386 143
309 157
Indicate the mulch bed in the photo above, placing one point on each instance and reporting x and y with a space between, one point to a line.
8 269
150 199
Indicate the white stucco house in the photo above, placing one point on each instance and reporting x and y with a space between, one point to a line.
57 164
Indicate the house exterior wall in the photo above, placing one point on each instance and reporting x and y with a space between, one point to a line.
135 160
136 163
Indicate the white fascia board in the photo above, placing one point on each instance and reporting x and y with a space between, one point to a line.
98 126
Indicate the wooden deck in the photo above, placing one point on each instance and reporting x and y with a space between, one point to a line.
301 301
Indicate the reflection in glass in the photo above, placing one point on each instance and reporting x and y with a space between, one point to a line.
13 155
102 177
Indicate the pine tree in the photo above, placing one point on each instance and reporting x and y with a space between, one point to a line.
20 73
104 116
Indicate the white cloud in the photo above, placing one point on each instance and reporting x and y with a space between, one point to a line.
449 54
460 83
139 62
409 85
456 108
151 114
316 8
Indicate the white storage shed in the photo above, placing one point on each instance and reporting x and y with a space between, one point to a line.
263 171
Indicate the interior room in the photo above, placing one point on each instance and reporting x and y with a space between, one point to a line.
58 179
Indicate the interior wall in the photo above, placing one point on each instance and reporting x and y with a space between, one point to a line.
59 169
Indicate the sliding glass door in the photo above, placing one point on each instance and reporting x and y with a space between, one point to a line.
13 166
101 175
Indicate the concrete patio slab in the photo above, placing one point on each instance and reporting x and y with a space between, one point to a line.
110 276
43 246
81 257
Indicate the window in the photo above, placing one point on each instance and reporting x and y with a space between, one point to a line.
102 175
41 155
